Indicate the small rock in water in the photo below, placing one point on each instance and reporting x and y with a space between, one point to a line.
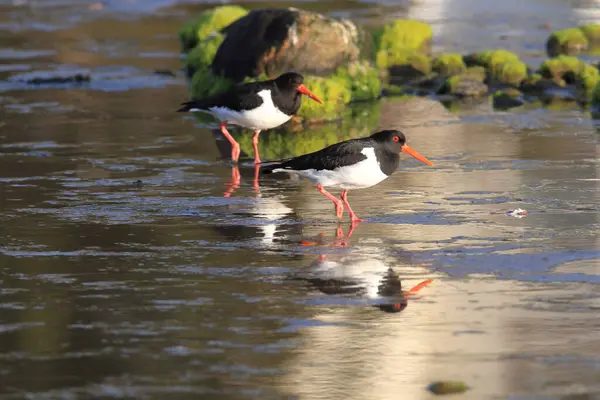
448 387
165 72
77 78
517 213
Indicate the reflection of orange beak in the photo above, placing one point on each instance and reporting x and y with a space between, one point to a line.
302 89
409 150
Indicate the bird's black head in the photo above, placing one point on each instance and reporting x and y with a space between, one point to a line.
394 141
292 82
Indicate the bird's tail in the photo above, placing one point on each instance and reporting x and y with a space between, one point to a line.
189 106
269 168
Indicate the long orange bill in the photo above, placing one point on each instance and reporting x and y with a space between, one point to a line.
409 150
302 89
418 287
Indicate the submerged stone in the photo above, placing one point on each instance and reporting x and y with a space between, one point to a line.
207 23
448 387
507 98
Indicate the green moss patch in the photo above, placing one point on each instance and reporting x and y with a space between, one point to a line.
501 65
568 41
562 67
203 54
449 64
335 92
404 34
206 23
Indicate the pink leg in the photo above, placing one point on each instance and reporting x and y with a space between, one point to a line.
339 209
353 216
255 145
235 146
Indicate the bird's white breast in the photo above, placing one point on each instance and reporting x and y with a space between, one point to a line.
363 174
266 116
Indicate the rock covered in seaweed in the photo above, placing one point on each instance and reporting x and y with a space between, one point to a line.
467 84
572 41
501 66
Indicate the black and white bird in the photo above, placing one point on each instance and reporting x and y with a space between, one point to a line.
255 105
352 164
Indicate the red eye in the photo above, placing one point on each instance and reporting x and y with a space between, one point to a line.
396 139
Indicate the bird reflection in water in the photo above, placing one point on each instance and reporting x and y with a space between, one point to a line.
236 179
359 275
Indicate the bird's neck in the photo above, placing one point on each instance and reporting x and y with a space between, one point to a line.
388 161
287 102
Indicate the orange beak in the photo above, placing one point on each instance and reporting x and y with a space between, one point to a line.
409 150
302 89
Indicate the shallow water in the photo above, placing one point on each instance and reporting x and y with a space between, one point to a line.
132 266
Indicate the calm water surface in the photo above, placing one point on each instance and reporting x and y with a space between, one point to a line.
133 267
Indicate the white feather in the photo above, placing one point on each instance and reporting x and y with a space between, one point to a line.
266 116
363 174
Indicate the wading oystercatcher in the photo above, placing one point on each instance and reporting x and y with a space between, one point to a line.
353 164
255 105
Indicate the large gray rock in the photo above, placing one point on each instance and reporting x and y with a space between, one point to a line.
273 41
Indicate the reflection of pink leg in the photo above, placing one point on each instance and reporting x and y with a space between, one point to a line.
255 185
353 216
255 145
339 209
235 181
235 146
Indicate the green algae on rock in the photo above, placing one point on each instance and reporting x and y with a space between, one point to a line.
202 55
205 83
501 65
405 45
562 67
404 34
468 84
592 33
449 64
568 41
363 80
213 20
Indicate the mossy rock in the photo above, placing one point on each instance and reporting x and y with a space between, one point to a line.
363 80
507 98
568 41
206 83
213 20
512 73
335 92
501 65
449 64
404 65
562 67
588 79
404 34
203 54
404 44
468 84
463 86
592 33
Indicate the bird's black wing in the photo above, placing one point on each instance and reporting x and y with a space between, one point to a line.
240 97
331 157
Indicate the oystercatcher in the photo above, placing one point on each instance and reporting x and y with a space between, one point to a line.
352 164
255 105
